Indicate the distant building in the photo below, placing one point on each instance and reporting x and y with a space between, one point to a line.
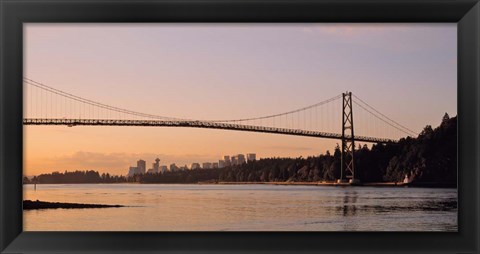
156 166
227 162
132 171
184 168
251 157
173 167
221 163
195 165
207 165
240 159
215 165
163 169
234 160
142 166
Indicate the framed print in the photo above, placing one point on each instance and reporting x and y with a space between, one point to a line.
342 162
239 126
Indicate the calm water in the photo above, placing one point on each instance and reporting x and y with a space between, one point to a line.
183 207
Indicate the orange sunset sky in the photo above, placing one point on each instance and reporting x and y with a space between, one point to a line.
225 71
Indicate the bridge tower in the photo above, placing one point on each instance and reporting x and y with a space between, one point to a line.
347 167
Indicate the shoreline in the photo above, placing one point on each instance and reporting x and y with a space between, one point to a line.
333 184
385 184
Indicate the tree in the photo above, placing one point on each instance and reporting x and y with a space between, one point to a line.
445 118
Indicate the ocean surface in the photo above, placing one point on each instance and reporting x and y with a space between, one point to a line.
249 207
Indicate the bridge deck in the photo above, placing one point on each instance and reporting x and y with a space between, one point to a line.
197 124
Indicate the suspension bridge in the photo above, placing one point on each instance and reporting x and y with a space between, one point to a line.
332 118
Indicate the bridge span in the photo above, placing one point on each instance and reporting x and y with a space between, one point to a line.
331 118
200 124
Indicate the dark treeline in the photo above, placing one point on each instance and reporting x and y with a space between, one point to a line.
88 176
430 157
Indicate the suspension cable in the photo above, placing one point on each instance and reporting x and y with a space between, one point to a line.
396 123
281 114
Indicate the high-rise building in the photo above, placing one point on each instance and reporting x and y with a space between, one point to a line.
207 165
251 157
156 165
240 159
234 160
227 161
215 165
163 169
142 166
173 167
195 165
221 163
132 171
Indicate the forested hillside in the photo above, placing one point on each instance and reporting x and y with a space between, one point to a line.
430 157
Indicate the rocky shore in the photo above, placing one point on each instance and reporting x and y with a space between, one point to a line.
30 205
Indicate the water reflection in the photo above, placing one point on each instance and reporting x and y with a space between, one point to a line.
349 207
244 207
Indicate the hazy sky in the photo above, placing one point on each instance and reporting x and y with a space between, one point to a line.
223 71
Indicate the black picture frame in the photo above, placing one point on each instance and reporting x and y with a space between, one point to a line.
466 13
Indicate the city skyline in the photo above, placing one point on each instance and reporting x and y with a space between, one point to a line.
220 163
234 65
